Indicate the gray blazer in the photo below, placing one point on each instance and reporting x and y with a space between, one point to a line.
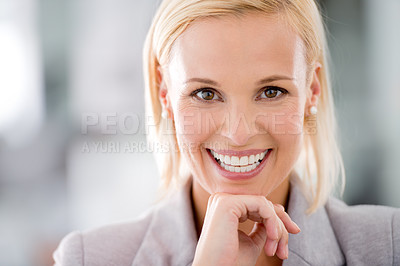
335 234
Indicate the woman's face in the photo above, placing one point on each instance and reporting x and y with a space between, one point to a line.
238 92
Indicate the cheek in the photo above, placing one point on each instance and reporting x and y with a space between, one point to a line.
284 125
290 134
194 126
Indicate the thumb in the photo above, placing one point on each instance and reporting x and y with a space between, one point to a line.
259 235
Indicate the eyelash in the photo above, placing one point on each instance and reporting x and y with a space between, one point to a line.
194 94
278 89
281 92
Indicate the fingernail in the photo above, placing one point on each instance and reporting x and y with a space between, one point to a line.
272 247
287 251
298 228
275 248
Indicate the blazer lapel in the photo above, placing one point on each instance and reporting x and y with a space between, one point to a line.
171 237
316 244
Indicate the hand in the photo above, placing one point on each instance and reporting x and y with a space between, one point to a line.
221 243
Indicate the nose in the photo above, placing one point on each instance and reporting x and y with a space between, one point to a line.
239 123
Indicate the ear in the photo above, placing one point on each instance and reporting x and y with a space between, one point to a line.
314 89
163 93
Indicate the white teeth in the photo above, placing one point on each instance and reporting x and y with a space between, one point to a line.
227 159
252 159
239 164
235 160
244 160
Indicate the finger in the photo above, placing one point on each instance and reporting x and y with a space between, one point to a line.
280 246
290 225
271 244
282 249
272 227
243 218
279 206
270 247
255 216
258 209
258 235
265 213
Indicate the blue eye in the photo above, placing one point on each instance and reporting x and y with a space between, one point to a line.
271 93
206 94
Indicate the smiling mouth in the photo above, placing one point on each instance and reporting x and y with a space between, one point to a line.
236 164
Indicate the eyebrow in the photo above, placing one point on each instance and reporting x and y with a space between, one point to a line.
274 78
262 81
202 80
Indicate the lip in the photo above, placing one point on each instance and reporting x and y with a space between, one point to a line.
239 176
240 153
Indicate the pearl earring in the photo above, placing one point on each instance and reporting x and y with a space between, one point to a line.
313 110
164 114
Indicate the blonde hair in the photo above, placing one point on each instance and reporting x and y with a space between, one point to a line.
320 163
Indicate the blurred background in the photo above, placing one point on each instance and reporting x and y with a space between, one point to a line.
63 62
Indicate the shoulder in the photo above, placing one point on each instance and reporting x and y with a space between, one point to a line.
167 229
114 244
366 233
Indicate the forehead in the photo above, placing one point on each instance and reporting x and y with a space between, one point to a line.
253 43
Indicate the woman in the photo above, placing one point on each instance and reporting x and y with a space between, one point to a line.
242 89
